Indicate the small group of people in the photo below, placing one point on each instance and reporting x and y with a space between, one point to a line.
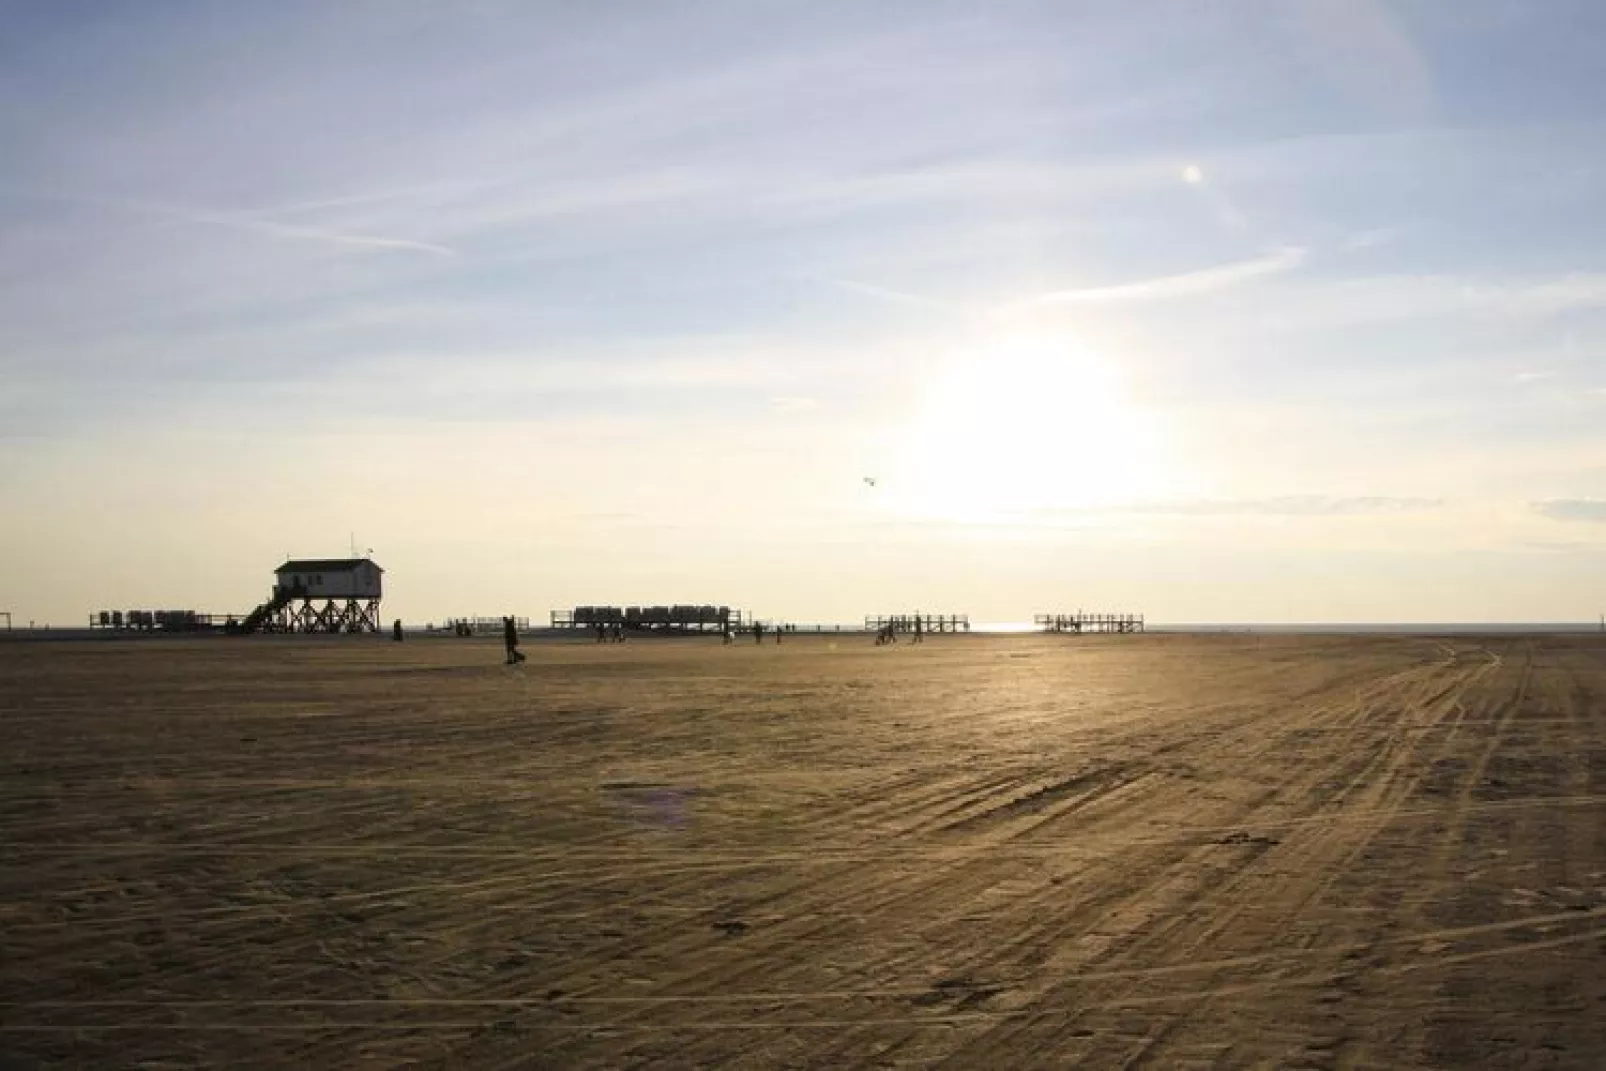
888 633
614 633
759 628
727 634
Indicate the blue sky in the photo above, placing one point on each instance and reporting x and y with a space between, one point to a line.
1221 311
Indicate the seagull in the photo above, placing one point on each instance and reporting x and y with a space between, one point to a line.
870 480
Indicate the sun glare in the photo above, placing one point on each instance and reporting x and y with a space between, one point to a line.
1023 428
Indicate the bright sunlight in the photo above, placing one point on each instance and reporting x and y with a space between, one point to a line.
1023 428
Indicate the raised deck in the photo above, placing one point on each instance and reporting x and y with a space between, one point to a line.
1080 622
682 618
928 622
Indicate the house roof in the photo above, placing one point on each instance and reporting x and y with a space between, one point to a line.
324 565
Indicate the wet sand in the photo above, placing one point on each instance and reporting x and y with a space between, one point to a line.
1000 852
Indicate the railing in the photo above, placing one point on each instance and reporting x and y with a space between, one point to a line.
686 617
1082 621
479 625
919 622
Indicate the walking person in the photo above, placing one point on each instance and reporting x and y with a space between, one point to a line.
510 639
920 635
758 632
396 631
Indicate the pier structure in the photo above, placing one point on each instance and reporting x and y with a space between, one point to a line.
1081 621
684 617
928 622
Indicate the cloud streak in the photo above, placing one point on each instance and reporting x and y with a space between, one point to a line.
1588 510
299 231
888 295
1274 506
258 222
1186 284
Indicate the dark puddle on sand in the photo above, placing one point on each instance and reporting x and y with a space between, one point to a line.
650 805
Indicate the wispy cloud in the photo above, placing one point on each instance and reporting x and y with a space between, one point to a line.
1186 284
1324 303
888 294
257 221
1592 510
1274 506
272 228
1297 506
1534 376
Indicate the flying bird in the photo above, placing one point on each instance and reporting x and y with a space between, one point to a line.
870 480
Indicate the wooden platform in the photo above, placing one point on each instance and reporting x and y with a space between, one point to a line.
928 622
679 618
1081 621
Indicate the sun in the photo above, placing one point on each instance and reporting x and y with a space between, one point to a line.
1023 428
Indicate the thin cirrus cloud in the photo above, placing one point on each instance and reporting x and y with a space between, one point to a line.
1273 506
1589 510
1185 284
257 222
296 231
888 295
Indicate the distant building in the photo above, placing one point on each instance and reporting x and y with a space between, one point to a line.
320 595
329 578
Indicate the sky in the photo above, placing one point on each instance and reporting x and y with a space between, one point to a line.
1216 310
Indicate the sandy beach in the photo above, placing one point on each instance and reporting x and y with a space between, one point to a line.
996 852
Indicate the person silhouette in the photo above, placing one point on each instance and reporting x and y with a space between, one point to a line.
510 639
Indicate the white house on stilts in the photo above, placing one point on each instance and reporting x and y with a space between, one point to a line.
321 595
